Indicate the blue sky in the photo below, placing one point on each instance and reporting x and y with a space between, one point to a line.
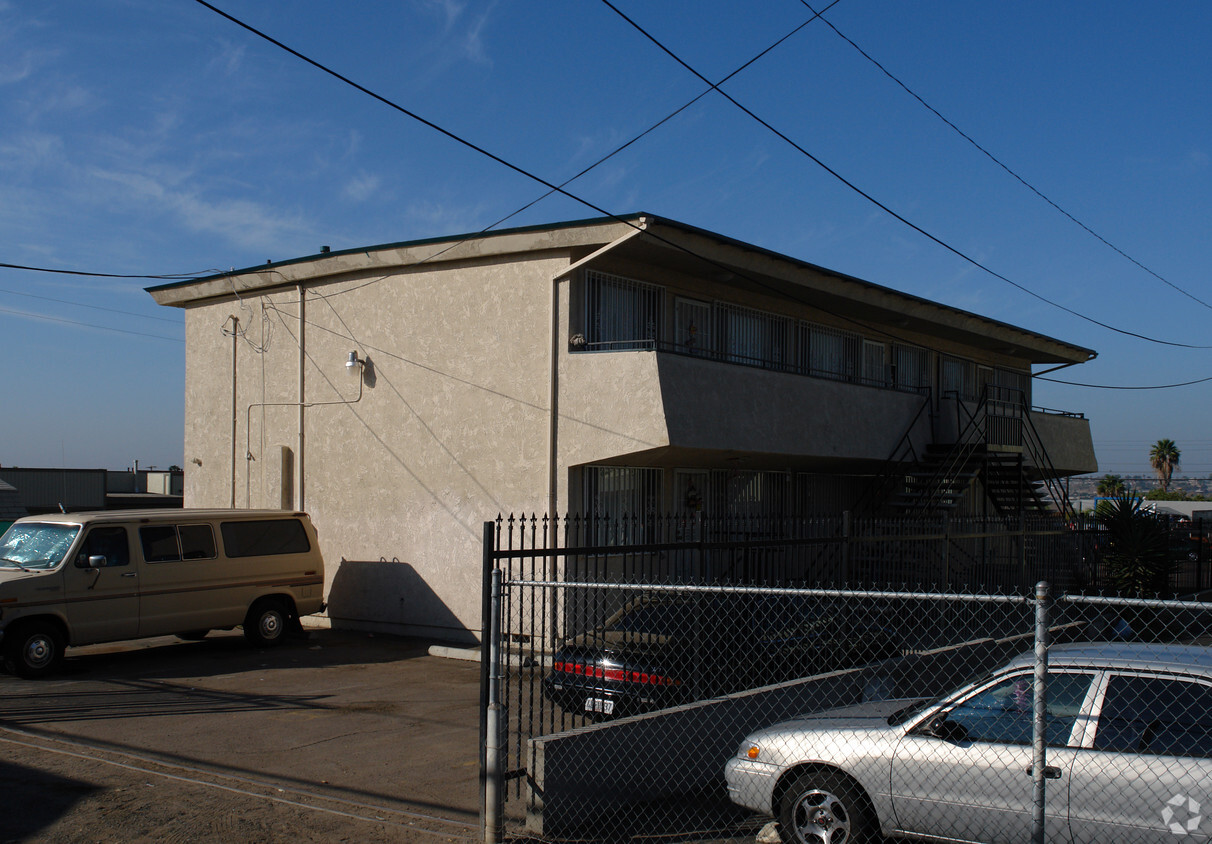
147 138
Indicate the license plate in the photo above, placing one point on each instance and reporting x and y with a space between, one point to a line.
603 706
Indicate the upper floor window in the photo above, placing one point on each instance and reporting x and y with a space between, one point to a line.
829 352
752 337
911 368
692 326
958 377
621 313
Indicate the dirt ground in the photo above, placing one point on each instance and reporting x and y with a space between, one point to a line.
341 738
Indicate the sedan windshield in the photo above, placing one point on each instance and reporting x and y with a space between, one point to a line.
914 709
36 546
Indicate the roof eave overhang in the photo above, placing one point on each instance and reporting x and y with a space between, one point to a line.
871 308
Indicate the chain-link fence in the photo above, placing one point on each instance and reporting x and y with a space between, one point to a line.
707 711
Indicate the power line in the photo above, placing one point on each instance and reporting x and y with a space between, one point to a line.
94 307
517 169
169 277
1113 387
996 160
89 325
885 208
634 139
712 86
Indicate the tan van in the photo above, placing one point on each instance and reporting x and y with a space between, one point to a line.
83 578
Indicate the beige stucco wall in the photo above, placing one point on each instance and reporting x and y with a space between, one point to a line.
1068 441
451 427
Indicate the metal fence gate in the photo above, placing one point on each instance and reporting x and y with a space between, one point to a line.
625 676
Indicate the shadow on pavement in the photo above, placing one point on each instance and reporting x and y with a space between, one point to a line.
36 800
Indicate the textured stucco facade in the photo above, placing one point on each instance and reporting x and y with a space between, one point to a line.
472 402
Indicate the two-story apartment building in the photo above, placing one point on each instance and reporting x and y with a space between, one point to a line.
403 394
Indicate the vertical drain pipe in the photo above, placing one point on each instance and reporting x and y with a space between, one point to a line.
299 463
235 345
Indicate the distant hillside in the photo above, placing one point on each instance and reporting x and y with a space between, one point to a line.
1086 486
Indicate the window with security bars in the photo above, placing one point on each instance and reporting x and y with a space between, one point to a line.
750 493
751 337
1010 385
911 368
875 369
692 327
958 377
829 352
623 497
621 313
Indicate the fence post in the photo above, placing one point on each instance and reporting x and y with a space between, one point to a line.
1039 760
491 794
494 779
847 534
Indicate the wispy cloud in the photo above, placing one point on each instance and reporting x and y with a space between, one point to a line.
361 187
463 28
243 222
428 219
228 59
29 151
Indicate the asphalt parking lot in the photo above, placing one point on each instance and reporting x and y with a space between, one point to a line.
342 737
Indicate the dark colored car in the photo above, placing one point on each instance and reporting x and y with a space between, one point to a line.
671 648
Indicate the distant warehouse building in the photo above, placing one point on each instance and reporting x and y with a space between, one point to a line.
72 490
403 394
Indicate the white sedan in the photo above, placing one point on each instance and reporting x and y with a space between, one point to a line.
1129 757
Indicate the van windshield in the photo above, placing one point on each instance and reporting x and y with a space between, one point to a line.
36 546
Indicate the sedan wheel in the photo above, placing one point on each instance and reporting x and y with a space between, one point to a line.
823 808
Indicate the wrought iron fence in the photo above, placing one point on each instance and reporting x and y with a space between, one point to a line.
631 694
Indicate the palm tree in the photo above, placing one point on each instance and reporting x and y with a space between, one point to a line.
1110 485
1163 457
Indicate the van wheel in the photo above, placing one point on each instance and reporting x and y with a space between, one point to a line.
33 650
267 622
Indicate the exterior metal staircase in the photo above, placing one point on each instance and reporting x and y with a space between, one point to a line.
996 452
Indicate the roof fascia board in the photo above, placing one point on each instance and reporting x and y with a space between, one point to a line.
754 261
332 266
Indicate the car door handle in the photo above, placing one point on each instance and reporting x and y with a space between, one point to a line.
1051 772
128 574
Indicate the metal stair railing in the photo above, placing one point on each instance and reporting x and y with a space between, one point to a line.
903 452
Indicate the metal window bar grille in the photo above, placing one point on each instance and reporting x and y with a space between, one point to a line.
912 368
752 337
622 313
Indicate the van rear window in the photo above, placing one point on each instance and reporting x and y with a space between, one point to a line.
264 538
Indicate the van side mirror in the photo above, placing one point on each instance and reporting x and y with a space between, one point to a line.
96 561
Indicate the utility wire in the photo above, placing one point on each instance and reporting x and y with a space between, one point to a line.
470 145
110 275
89 325
604 158
1112 387
998 161
885 208
94 307
560 188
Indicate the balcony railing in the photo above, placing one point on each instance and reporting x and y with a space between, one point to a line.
885 379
